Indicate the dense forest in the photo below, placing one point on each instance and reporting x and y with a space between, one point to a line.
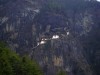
12 64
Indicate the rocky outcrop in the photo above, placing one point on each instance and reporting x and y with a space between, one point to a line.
58 36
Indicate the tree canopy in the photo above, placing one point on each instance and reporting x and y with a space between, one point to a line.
12 64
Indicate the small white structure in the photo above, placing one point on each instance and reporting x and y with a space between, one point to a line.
42 42
36 10
67 33
44 39
55 37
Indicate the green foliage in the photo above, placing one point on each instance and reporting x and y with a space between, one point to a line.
30 67
54 5
12 64
2 2
65 5
61 72
5 66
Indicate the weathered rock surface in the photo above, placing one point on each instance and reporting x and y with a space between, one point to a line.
29 25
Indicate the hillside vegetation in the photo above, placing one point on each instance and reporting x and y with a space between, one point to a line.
12 64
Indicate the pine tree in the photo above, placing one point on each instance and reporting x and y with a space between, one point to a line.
12 64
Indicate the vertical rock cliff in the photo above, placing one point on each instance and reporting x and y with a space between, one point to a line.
59 35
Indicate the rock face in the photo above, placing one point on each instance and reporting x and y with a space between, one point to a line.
59 35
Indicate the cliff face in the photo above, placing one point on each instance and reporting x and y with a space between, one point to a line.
58 35
16 23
